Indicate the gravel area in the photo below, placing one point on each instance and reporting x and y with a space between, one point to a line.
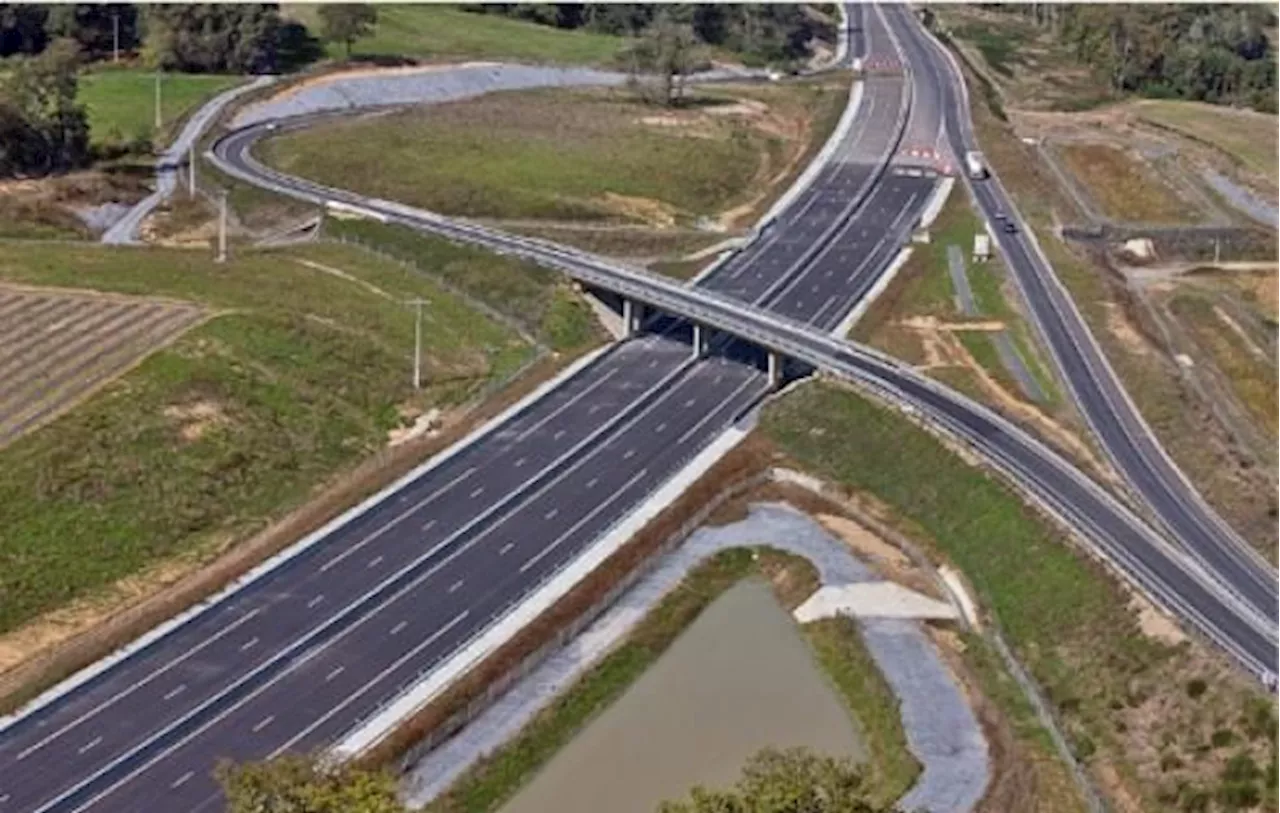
941 729
1246 201
435 84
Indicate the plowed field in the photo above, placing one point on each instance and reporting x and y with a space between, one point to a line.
56 348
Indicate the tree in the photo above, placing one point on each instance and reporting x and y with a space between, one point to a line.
42 127
792 781
22 29
347 22
213 38
94 26
299 784
670 50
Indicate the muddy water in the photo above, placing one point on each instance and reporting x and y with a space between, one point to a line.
739 679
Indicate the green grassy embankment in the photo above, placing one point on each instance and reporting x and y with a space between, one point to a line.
551 154
1246 135
121 102
837 648
300 376
541 300
1064 615
438 32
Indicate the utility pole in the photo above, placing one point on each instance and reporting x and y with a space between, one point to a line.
115 36
417 340
158 121
191 172
222 228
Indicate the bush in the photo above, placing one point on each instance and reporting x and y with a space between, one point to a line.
1196 687
1222 738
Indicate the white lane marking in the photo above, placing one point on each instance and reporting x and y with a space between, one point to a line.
477 492
365 685
227 630
690 403
551 514
399 627
593 409
263 723
559 434
172 693
660 427
375 561
628 454
428 525
182 780
453 588
710 414
540 555
249 644
595 385
337 670
402 516
592 482
520 463
90 744
505 548
315 601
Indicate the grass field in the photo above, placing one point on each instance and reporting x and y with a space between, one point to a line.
1124 188
122 103
537 298
837 646
303 373
1062 613
1246 135
1250 374
556 154
55 349
428 32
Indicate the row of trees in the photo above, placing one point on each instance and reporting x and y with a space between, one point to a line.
208 38
1212 53
794 781
760 33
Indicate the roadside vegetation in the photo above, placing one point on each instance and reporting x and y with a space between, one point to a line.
537 298
304 371
919 318
1145 722
1247 136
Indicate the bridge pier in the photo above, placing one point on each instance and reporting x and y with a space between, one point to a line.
775 369
699 341
628 318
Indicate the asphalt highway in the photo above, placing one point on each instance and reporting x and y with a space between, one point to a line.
320 642
1095 387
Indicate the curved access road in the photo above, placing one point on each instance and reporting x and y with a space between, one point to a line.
1094 385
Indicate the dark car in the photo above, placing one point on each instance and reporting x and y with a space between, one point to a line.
1010 227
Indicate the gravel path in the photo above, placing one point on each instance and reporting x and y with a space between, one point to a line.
1255 207
125 230
941 729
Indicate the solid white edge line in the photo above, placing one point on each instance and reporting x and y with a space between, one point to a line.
98 667
381 725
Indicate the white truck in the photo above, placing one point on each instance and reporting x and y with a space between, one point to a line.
976 165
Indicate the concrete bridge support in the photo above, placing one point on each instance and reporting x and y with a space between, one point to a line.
699 340
775 369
